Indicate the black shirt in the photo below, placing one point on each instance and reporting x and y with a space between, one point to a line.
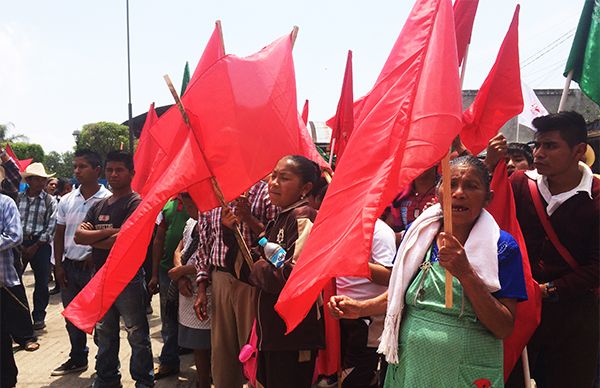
105 215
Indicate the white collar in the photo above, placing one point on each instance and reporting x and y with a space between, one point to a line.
554 201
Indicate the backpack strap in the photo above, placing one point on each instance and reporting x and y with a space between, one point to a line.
545 220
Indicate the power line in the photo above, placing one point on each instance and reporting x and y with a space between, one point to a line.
551 46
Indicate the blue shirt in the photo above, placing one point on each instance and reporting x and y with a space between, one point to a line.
11 235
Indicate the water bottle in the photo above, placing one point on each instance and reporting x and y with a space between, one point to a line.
274 252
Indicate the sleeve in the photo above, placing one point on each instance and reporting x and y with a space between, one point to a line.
10 185
90 216
204 243
50 220
510 269
383 249
132 205
272 280
12 233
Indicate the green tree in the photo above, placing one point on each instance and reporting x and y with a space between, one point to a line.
103 137
61 164
28 150
5 138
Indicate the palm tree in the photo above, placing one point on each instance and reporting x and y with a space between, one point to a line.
5 138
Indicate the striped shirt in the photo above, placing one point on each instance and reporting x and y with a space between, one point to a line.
38 215
11 236
72 209
212 249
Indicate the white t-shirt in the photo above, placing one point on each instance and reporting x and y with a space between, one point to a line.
383 251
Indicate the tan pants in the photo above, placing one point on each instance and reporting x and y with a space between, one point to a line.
233 312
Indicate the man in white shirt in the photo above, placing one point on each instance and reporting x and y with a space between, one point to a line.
360 337
77 268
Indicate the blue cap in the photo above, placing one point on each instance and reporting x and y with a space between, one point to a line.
263 241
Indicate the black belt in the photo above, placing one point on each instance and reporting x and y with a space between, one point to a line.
76 263
31 237
222 269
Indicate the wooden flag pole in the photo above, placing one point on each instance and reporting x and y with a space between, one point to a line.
217 189
447 211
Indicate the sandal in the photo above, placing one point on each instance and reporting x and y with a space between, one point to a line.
164 371
31 346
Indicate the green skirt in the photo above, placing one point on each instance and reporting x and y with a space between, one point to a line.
440 350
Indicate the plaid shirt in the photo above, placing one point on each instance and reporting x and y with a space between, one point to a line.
10 237
10 184
212 249
38 221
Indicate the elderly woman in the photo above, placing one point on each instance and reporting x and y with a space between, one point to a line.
427 344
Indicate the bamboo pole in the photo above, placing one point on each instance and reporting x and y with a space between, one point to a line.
447 209
217 189
565 92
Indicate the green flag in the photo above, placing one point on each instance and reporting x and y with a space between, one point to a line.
186 78
584 58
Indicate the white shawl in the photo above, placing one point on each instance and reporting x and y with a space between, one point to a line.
481 249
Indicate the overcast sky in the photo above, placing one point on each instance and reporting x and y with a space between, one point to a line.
63 63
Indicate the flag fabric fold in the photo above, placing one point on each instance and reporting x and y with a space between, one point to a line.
502 207
406 125
499 98
145 153
22 164
342 124
305 112
584 58
239 109
464 17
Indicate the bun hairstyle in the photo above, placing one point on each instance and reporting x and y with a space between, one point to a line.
477 165
306 169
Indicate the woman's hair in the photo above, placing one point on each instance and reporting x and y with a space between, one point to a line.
306 169
520 149
477 165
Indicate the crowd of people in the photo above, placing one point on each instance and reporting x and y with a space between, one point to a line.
396 330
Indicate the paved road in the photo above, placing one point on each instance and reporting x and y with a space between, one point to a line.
35 367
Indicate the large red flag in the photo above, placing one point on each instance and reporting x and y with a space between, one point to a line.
22 164
214 50
503 208
464 17
240 108
305 112
499 98
342 124
145 153
406 125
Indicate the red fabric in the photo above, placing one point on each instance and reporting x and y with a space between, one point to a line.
406 125
329 359
342 124
244 118
499 98
464 17
305 113
22 164
214 50
503 208
145 153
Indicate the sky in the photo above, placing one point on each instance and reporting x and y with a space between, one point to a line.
63 63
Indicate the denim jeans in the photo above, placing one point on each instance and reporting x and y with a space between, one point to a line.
40 264
130 305
77 277
169 356
8 367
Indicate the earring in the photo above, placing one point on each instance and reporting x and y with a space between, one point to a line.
302 196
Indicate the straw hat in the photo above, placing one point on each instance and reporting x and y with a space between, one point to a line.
36 169
590 156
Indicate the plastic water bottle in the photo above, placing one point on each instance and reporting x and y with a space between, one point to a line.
274 252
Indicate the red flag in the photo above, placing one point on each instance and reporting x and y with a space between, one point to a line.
342 124
22 164
240 108
406 125
503 208
464 17
214 50
499 98
145 153
329 359
305 113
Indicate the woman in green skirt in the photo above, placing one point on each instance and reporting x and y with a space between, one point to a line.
425 343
